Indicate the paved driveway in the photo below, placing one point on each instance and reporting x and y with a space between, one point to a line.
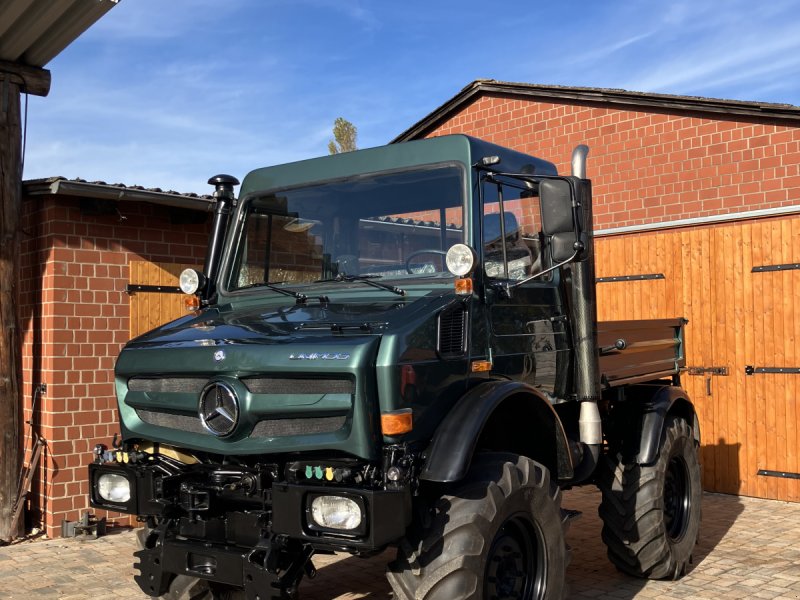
749 549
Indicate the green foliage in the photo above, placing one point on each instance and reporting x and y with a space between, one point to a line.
344 137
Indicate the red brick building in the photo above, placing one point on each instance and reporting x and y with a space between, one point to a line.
702 194
80 242
697 205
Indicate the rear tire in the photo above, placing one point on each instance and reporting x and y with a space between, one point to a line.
499 534
651 514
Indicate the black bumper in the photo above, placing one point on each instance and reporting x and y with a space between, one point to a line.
263 551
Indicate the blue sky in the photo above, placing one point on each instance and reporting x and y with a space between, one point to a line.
166 93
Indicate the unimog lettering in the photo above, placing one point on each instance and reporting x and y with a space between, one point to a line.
412 359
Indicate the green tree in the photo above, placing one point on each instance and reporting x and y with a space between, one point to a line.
344 136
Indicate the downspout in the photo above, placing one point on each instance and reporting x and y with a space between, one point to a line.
584 325
224 196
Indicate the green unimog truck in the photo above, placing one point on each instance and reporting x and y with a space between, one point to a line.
398 347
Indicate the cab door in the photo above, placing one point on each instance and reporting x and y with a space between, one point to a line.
527 319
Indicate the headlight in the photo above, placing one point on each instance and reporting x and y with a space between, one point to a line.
460 259
190 281
113 488
336 512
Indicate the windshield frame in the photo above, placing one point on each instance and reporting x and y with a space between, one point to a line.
235 229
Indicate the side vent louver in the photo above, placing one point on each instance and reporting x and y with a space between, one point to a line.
453 332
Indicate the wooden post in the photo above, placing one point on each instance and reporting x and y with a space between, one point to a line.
14 79
10 364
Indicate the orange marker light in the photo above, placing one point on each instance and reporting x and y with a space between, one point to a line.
397 422
464 286
191 303
481 366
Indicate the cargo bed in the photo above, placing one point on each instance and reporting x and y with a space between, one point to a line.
638 351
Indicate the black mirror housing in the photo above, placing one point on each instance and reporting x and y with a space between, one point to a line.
556 201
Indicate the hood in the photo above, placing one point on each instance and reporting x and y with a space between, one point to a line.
284 322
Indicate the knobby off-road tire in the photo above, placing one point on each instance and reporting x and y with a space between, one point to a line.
651 514
498 534
184 587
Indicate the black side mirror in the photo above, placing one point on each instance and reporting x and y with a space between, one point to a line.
557 201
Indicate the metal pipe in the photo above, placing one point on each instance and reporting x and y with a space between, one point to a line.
224 196
584 313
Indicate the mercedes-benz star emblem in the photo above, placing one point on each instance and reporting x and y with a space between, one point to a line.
219 408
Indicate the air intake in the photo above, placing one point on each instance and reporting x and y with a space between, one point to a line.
453 332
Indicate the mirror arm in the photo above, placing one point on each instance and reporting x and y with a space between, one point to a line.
578 250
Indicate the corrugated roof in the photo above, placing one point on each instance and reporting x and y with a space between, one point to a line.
33 32
101 190
714 107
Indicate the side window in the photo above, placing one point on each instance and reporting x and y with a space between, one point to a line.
512 240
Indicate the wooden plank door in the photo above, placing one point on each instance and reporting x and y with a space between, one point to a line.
148 310
737 318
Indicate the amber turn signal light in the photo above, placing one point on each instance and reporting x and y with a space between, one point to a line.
481 366
464 286
397 422
191 303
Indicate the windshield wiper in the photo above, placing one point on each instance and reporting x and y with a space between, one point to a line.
368 279
299 298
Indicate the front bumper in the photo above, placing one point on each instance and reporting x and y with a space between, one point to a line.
261 547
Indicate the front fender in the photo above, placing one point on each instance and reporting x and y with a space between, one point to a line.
511 403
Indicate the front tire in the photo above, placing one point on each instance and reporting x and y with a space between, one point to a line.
651 514
498 534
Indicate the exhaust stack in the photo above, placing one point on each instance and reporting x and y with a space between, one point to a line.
584 317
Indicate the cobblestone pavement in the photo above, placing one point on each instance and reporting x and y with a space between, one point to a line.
748 549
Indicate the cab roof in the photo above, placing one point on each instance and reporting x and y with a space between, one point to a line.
452 148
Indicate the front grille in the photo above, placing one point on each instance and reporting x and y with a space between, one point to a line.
274 385
308 426
264 386
189 385
187 423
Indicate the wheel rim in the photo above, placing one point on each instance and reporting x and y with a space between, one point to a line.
677 498
515 566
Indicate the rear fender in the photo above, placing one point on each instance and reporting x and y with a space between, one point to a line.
507 416
667 400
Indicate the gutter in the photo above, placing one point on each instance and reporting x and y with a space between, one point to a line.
100 191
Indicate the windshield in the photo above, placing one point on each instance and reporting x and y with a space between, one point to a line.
397 225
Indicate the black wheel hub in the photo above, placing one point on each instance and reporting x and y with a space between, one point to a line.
515 566
677 498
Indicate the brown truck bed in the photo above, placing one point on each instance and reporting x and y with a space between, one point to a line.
637 351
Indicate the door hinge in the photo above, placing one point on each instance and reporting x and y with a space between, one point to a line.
751 370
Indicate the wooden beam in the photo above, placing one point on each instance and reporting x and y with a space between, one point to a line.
31 80
10 339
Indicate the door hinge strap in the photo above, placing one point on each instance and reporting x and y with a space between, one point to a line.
768 268
782 474
751 370
645 277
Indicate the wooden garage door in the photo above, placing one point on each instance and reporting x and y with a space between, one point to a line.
740 315
149 309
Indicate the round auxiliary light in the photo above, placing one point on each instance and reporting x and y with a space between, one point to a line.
190 281
460 259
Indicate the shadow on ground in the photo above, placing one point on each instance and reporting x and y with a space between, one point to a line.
589 575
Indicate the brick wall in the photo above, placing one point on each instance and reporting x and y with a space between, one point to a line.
648 167
75 320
